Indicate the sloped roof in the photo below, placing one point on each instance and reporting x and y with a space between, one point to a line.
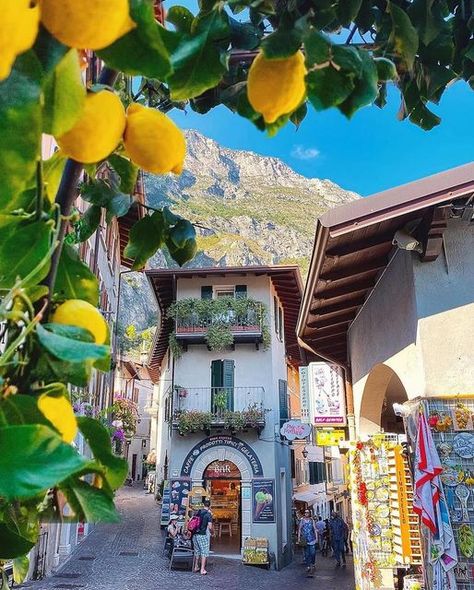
354 243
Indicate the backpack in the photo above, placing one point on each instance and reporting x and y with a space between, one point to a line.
194 523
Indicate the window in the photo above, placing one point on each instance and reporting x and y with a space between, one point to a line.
135 395
275 313
280 324
206 292
224 292
317 472
222 380
283 396
241 291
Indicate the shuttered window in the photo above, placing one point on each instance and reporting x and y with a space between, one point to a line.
275 313
206 292
240 291
283 396
317 472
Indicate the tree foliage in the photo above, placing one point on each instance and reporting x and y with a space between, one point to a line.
353 50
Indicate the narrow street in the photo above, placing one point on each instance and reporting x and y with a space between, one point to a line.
128 556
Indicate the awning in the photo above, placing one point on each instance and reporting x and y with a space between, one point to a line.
307 497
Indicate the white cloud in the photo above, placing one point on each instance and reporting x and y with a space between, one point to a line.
302 153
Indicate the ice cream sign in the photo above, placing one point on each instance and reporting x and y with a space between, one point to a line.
295 429
263 493
327 395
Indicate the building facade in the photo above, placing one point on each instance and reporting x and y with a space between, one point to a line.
223 399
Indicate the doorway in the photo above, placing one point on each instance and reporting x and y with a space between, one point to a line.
223 482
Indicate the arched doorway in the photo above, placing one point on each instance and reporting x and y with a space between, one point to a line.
222 479
382 389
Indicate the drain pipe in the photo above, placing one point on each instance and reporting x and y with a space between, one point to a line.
350 403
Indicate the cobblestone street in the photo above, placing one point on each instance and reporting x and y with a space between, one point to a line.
128 556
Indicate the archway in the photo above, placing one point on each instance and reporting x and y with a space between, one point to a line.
382 389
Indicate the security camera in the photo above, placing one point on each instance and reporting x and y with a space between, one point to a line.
405 241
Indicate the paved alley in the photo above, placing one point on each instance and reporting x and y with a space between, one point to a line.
128 556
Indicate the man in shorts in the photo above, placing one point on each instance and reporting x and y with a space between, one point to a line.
202 537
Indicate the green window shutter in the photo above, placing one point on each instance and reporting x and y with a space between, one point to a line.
283 396
280 323
275 313
241 291
206 292
228 382
216 374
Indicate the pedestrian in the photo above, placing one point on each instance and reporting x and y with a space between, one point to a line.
338 530
321 528
348 537
202 537
308 534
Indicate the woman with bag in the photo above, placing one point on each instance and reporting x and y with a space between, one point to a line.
308 536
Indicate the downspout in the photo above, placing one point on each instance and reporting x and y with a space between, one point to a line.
350 403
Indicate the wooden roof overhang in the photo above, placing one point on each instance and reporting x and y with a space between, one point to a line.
354 244
286 280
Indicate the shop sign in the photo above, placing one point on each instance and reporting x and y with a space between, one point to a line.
329 438
295 429
327 394
304 394
263 500
222 441
222 470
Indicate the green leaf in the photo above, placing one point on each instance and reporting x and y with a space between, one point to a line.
118 206
328 87
20 126
366 16
142 51
22 409
427 19
35 458
423 117
53 169
64 96
12 545
244 35
20 568
103 194
404 37
98 439
23 248
181 242
366 87
50 368
347 11
297 117
145 238
282 43
181 18
127 171
386 69
87 224
93 504
318 49
69 349
347 58
198 62
74 279
48 50
36 292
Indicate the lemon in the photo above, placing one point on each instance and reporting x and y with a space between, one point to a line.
276 87
98 131
59 412
86 24
153 141
76 312
18 29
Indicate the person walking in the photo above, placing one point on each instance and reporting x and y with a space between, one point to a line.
338 530
202 537
308 533
321 528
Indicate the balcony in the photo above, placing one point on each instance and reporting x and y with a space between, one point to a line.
219 323
204 408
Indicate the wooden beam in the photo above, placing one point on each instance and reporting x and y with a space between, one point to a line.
330 331
337 308
339 338
332 321
354 271
357 286
361 245
430 232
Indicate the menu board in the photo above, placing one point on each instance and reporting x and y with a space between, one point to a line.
179 490
165 504
263 500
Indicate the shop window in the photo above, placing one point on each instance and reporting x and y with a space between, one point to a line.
317 472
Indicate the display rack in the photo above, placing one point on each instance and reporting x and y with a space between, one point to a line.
255 551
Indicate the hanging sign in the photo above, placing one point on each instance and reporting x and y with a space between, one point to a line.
295 429
329 438
327 394
304 394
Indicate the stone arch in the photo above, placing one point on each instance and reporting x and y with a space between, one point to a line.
221 453
382 389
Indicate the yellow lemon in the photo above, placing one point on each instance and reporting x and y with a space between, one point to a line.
76 312
276 87
86 24
18 29
59 412
98 131
153 141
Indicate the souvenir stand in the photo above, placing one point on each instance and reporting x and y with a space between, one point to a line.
386 531
441 434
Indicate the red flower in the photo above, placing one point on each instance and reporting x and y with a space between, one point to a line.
433 421
360 446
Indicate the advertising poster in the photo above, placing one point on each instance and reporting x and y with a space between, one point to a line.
263 500
165 505
327 394
179 490
304 393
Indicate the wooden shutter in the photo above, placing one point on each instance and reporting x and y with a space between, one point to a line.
283 395
206 292
240 291
275 313
280 323
228 382
216 374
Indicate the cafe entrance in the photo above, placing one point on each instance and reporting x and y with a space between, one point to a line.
222 480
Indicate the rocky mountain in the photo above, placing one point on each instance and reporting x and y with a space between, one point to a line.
251 210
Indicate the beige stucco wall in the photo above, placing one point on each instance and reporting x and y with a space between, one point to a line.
418 322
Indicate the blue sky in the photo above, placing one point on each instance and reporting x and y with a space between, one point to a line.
371 152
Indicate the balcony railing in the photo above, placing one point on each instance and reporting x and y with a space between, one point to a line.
220 406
